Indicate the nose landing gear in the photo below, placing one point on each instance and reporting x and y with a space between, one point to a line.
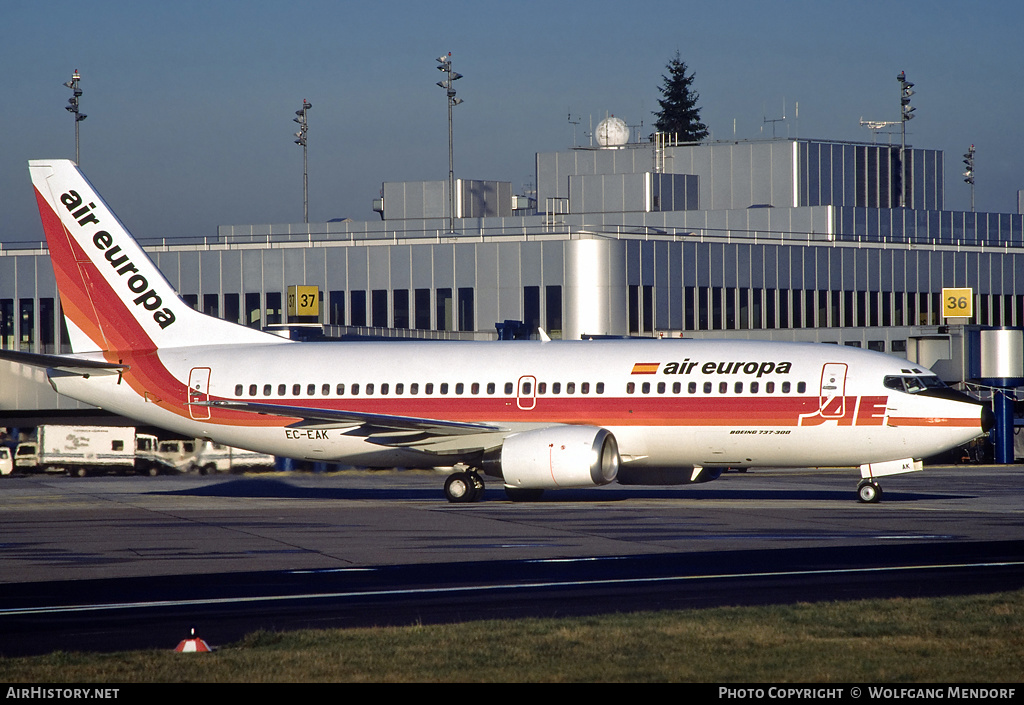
869 491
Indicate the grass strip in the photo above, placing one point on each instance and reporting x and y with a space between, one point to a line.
978 639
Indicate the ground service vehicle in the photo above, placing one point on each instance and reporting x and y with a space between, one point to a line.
214 457
88 450
180 454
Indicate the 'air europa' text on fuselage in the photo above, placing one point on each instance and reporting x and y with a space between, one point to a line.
728 368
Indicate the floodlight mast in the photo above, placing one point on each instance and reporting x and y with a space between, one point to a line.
73 107
969 173
444 64
301 140
906 113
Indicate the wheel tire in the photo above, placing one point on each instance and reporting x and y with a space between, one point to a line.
869 492
459 488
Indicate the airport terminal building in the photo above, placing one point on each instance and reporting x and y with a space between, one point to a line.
783 239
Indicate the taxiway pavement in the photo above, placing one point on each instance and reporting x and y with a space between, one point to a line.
61 528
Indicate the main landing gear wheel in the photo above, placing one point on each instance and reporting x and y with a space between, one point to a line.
869 491
463 487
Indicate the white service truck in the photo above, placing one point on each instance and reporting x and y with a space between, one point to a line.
86 450
207 458
214 457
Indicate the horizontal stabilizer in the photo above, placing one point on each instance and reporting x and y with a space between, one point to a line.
63 363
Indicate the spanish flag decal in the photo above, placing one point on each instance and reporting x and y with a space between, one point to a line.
645 368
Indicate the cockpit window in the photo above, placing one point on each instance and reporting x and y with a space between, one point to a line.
913 384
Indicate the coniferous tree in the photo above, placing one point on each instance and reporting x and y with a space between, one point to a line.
679 113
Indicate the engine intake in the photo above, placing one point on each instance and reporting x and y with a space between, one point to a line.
558 457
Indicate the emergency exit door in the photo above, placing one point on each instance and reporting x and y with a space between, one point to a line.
199 391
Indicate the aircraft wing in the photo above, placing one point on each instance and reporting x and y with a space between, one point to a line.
429 435
63 363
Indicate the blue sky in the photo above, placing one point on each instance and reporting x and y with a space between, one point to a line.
190 104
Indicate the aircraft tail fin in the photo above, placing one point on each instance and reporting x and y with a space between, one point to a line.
113 295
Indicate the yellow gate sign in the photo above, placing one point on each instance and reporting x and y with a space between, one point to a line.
958 303
303 301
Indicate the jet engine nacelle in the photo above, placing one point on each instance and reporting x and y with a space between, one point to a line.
558 457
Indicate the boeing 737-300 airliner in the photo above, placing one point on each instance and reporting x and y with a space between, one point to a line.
535 414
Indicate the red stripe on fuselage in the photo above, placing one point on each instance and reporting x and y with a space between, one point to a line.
933 421
592 410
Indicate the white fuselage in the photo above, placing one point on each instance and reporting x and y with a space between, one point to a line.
669 403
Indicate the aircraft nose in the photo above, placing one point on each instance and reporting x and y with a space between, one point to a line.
988 419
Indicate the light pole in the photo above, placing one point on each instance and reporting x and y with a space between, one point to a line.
445 66
906 113
73 107
969 174
301 140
